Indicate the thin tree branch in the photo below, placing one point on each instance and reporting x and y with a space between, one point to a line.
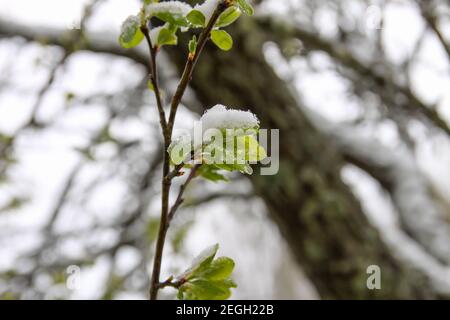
155 82
179 200
166 215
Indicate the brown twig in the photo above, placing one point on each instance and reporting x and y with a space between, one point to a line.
180 199
155 82
170 283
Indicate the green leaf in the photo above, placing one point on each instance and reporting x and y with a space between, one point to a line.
174 19
193 45
202 289
209 172
227 17
222 39
220 269
172 27
131 34
166 37
253 151
201 261
180 294
196 18
230 283
206 289
243 168
245 7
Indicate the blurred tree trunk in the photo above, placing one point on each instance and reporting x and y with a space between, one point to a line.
315 211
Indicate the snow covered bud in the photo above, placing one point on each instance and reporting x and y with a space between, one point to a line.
222 118
223 139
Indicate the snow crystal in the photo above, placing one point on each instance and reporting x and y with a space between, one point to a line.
173 7
207 8
222 118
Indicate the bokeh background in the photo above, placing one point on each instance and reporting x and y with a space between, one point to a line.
359 91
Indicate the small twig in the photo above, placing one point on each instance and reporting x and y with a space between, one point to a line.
170 283
155 82
180 199
175 172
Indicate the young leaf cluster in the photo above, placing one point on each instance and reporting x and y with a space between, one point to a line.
207 278
180 16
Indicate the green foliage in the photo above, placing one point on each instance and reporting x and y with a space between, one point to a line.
207 279
201 261
222 39
131 34
245 7
227 17
242 168
173 18
196 18
246 149
210 172
253 150
193 45
235 152
221 268
202 289
166 37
